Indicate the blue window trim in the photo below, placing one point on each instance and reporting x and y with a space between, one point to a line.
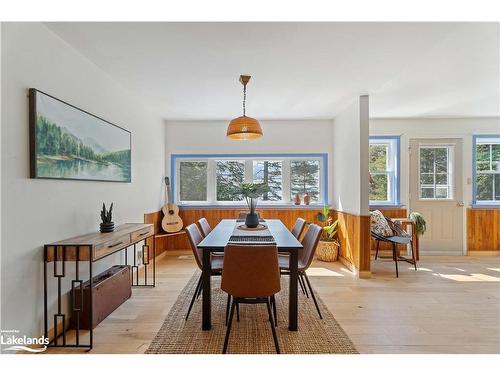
475 137
322 156
397 138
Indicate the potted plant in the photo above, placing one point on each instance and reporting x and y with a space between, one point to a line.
328 246
107 224
420 224
251 192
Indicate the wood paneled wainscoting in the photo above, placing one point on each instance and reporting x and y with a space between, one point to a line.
483 229
354 230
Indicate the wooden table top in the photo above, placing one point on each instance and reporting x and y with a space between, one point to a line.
219 236
97 238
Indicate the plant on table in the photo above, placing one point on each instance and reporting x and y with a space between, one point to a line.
420 223
107 224
251 192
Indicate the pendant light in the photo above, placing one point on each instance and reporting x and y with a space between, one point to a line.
243 127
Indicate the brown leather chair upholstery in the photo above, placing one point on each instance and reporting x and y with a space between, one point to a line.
298 227
243 215
306 256
195 237
204 226
251 275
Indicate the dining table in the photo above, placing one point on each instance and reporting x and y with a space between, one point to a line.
217 240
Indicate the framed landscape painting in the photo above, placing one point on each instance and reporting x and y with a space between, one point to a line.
69 143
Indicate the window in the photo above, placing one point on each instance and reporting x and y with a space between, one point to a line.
435 166
230 174
304 178
487 169
213 179
193 181
269 172
384 170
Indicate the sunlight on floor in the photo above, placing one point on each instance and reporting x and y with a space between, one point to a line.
317 271
470 278
494 269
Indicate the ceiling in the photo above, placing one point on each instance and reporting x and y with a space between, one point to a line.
299 70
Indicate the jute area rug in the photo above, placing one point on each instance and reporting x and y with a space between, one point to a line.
252 334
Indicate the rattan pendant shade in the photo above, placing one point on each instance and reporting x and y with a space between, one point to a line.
244 127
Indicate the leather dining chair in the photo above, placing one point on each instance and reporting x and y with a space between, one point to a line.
306 255
298 227
204 226
242 215
251 275
195 237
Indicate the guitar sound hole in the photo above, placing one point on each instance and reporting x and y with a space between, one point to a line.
171 212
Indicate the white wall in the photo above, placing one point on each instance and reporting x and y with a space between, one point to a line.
350 158
35 212
462 128
285 136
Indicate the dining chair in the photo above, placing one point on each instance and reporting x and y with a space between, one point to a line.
204 227
251 275
242 215
298 227
399 237
195 237
306 255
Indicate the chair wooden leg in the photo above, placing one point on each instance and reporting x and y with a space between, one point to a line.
271 321
413 255
312 295
228 329
273 303
198 287
228 305
376 251
395 257
237 311
301 283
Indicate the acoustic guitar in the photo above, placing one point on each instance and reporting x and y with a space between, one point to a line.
171 221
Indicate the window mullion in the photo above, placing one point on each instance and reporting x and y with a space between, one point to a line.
211 181
285 175
248 170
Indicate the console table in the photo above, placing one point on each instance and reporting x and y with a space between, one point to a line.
89 249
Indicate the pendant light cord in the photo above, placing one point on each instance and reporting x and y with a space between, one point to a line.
244 98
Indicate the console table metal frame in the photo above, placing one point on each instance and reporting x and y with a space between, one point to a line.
77 249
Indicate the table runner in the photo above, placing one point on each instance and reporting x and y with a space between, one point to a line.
263 236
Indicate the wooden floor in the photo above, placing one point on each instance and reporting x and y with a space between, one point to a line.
450 305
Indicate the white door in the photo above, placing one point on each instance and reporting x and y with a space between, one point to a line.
436 192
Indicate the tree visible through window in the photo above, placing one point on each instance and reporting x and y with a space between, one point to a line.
304 178
378 166
434 173
269 172
488 172
214 179
230 174
193 180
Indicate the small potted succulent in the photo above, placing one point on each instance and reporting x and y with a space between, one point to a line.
107 224
251 192
328 246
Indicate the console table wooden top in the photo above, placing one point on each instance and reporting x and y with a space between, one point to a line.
98 244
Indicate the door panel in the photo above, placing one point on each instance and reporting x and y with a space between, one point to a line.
436 192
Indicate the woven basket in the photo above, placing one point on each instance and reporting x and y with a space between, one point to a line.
328 251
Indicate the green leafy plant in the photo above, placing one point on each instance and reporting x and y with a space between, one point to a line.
329 226
107 215
251 192
419 222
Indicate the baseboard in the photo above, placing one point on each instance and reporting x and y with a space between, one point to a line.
482 253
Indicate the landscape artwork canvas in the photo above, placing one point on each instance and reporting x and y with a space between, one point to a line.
69 143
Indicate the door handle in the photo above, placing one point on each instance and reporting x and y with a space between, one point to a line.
460 204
